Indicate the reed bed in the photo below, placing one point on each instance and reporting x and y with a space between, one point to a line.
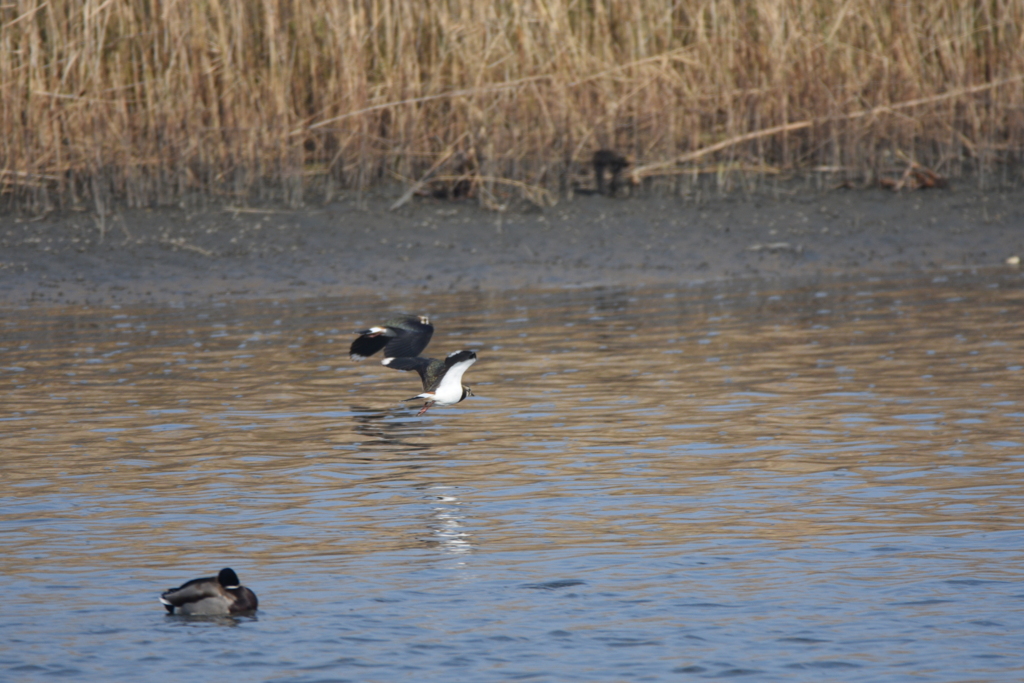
153 102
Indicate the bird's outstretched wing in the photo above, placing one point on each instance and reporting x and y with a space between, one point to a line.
401 336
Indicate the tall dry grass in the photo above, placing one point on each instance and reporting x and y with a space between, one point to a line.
153 101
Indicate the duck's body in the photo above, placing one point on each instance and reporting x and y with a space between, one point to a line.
442 379
401 337
219 595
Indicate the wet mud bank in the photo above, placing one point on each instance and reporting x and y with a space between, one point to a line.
351 248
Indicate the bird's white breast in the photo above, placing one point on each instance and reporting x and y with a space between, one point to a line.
450 390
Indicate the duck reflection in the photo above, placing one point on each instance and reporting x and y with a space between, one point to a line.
219 620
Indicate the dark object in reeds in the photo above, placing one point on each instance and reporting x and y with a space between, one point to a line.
608 161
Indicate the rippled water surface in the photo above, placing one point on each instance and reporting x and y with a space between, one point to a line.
817 483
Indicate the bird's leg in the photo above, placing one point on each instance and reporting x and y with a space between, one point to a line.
423 410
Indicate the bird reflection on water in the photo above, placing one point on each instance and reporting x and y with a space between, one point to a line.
387 429
448 527
219 620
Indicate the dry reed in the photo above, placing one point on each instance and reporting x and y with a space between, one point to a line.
154 103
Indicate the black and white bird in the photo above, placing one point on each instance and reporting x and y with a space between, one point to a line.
401 337
220 595
442 379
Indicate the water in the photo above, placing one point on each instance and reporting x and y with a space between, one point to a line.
822 482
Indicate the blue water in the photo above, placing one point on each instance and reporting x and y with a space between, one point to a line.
803 483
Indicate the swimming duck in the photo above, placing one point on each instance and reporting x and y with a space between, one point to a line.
214 595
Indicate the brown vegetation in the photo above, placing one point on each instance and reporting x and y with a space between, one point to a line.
152 102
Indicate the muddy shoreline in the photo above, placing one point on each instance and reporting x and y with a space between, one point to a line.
349 247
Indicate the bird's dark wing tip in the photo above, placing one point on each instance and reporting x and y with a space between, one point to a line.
366 346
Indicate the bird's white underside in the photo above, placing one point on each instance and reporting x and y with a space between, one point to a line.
449 391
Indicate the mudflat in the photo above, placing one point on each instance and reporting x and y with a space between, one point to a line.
353 247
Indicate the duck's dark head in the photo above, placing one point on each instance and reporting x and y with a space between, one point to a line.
228 578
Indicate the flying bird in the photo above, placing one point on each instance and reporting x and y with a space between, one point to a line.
402 336
442 379
219 595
